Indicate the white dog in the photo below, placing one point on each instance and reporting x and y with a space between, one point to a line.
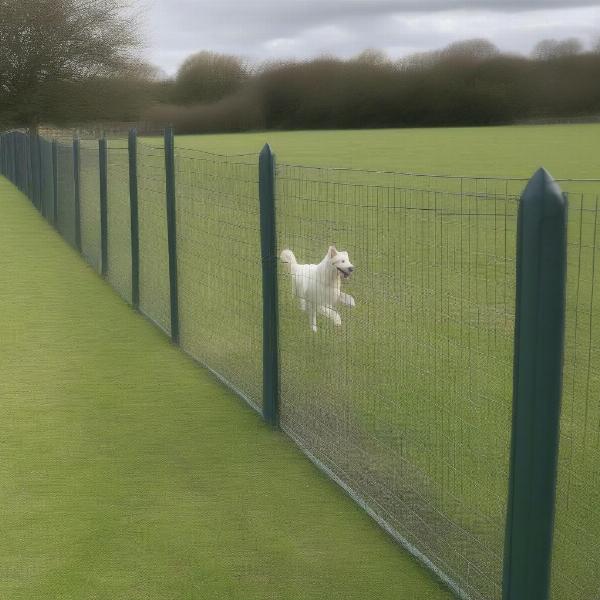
319 286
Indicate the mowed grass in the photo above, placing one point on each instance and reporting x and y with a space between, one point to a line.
567 151
127 472
410 401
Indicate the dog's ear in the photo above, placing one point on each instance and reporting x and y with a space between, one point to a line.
332 252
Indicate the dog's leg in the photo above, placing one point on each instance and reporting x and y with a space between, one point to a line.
328 312
347 299
312 316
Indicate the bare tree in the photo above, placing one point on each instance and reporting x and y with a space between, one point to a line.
48 44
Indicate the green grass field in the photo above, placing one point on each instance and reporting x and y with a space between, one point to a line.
410 402
127 472
567 151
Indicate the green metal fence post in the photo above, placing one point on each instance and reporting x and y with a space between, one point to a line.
39 178
172 231
538 362
103 169
14 159
135 236
77 180
28 178
25 168
268 244
33 170
7 154
54 182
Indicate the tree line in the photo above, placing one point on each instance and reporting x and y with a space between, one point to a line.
466 83
70 62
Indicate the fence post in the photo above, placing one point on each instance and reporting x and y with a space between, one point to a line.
103 169
27 168
77 180
55 183
14 160
538 362
172 231
135 235
268 245
40 177
33 170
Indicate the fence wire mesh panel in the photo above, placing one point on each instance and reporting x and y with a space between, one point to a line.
401 387
46 178
90 203
154 256
23 162
576 562
219 268
66 192
119 219
408 400
33 173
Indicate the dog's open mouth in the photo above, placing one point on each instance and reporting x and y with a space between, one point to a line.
344 274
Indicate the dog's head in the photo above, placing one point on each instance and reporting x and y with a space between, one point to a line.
340 261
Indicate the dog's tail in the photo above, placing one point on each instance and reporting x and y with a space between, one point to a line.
287 257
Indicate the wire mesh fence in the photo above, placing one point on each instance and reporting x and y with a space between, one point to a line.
119 220
403 394
90 203
218 251
154 257
46 178
66 222
576 566
406 400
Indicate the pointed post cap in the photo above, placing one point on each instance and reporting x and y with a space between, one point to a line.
542 190
266 150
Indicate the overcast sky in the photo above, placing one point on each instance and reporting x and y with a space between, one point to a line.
266 29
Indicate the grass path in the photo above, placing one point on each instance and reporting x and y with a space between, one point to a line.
126 472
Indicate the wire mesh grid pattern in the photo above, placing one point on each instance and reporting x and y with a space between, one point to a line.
22 162
408 401
154 258
576 564
90 203
218 249
119 221
46 178
66 192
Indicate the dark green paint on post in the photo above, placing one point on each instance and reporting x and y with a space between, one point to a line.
268 245
538 363
54 182
39 178
103 169
172 231
135 235
77 181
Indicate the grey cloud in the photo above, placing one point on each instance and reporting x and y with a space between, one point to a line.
263 29
266 14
